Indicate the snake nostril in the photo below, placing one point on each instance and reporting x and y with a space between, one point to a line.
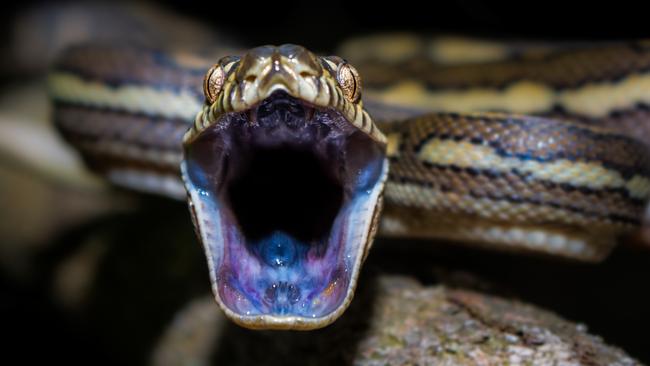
250 78
305 74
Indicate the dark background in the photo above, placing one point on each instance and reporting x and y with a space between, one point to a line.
323 24
609 298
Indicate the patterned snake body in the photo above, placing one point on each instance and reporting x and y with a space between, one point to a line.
539 151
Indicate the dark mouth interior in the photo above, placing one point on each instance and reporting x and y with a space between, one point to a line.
285 189
283 180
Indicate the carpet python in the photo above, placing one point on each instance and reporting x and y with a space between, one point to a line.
286 159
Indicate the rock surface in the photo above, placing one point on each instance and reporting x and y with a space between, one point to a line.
395 321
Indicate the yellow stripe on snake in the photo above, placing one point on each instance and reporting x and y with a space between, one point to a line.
286 168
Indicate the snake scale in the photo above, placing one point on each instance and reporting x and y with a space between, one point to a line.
287 159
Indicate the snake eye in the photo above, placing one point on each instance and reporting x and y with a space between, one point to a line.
213 82
350 82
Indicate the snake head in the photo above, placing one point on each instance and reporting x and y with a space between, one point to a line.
284 171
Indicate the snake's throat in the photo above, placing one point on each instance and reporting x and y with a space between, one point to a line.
284 196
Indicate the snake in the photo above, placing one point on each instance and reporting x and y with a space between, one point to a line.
291 162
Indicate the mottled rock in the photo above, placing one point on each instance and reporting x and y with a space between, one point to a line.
395 321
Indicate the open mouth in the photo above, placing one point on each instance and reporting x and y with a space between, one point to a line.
283 196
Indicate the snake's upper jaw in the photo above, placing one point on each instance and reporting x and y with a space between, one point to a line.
285 198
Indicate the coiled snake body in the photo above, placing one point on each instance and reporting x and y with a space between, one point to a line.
286 169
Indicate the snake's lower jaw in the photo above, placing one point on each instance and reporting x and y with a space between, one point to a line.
284 198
